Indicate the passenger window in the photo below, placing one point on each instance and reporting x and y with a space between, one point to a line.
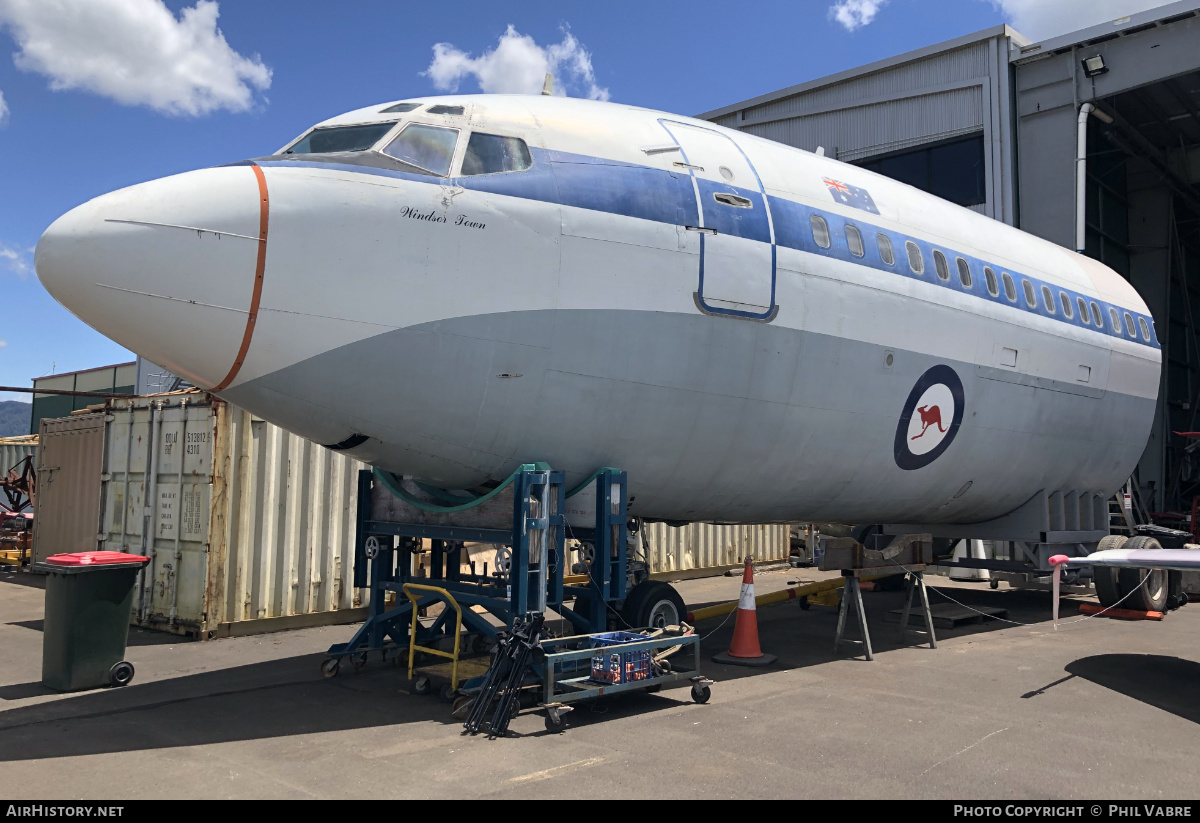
491 154
1083 309
1116 319
885 249
964 273
939 263
854 240
915 261
1066 304
1145 329
1030 299
1010 288
1129 325
820 230
426 148
990 277
1048 299
1096 318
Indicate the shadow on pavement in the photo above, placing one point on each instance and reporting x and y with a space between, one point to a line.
14 577
1168 683
137 635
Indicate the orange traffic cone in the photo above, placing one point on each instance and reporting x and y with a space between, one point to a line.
744 650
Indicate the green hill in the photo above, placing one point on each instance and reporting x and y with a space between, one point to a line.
14 418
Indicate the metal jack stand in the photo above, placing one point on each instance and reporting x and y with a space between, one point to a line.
915 581
852 595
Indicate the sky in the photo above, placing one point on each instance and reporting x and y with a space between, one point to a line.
96 95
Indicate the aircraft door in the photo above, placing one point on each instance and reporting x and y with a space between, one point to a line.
737 248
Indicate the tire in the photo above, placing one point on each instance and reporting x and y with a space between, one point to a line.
447 693
1108 589
700 694
1151 597
422 685
654 604
554 724
120 674
331 667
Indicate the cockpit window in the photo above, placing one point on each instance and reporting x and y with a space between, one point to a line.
340 138
441 109
400 108
491 153
428 148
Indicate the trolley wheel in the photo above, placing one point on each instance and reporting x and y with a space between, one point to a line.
358 660
120 674
655 689
330 667
804 604
462 706
995 584
422 685
700 694
447 693
555 724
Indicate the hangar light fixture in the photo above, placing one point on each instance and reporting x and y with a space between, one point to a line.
1094 66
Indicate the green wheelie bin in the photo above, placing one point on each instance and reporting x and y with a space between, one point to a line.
89 600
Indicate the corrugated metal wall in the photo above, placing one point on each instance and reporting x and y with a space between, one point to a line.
287 517
704 545
15 449
67 503
928 97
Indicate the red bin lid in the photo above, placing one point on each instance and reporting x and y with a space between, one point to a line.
94 559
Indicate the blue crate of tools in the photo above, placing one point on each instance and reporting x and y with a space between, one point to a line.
613 666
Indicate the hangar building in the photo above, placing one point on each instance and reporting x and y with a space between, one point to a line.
991 121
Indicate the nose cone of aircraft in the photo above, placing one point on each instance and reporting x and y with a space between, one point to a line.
166 268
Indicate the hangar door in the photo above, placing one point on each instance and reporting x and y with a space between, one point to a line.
737 251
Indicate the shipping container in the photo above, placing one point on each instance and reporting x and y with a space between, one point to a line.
251 528
15 449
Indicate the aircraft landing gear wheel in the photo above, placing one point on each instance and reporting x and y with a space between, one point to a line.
120 674
1147 595
654 604
700 694
1105 579
331 667
422 685
447 693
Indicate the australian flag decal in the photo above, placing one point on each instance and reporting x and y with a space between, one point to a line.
851 196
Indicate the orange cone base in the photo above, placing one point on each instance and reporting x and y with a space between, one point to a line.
753 662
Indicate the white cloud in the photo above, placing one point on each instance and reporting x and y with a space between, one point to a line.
3 109
1042 19
135 52
15 261
3 344
854 14
518 65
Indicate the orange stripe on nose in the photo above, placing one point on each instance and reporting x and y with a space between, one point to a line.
264 211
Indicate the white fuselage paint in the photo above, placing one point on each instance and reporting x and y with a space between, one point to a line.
463 331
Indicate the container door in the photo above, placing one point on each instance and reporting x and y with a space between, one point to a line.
69 482
737 244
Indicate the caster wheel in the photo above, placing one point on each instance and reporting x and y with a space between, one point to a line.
447 694
555 724
654 689
462 707
700 694
358 660
804 604
120 674
331 667
422 685
995 584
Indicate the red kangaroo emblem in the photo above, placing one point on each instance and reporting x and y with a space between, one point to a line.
929 416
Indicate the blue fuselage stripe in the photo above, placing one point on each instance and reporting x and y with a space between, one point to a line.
663 196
